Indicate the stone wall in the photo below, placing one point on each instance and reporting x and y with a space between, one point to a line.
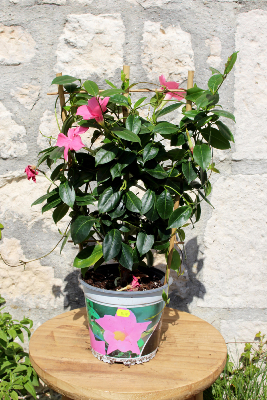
226 268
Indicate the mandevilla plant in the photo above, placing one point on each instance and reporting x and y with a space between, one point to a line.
120 194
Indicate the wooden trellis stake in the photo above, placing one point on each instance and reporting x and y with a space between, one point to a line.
61 99
177 198
126 70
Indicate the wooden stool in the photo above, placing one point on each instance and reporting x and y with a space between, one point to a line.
190 358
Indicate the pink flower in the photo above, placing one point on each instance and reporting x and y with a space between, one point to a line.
122 333
72 141
94 110
31 172
97 345
171 85
134 283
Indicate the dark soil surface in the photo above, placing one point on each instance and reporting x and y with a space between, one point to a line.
105 278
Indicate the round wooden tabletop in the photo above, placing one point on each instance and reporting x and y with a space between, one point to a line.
191 356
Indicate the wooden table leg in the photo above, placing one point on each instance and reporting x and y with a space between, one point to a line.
65 398
198 396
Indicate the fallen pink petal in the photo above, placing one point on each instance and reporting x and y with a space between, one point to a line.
94 110
122 333
172 86
31 173
71 142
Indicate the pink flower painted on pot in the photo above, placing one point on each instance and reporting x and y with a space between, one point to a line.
31 172
97 345
122 332
172 86
94 110
72 141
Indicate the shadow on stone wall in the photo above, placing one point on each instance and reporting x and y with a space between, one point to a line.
189 286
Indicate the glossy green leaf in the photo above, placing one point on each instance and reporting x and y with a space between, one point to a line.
110 84
44 197
91 88
64 241
118 211
120 100
188 171
63 80
144 242
88 256
164 204
215 138
165 128
150 152
207 99
168 109
176 261
225 131
126 135
179 217
84 199
158 172
67 193
30 389
223 113
147 201
106 153
81 227
111 92
133 203
126 256
56 153
214 71
57 171
202 155
139 102
214 82
133 123
152 214
108 200
176 154
230 62
51 205
112 244
60 212
194 93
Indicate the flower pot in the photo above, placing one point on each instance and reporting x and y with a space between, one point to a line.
124 326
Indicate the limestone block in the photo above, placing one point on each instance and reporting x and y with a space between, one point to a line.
235 331
153 3
23 2
35 286
91 44
48 128
16 45
27 95
12 143
82 2
57 2
234 272
214 59
251 86
166 51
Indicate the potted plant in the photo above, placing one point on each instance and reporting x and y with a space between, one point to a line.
120 196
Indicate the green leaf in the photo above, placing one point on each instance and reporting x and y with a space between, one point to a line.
64 241
144 242
176 261
152 214
28 386
176 154
194 93
111 92
222 113
126 256
164 204
126 135
214 71
188 171
207 99
118 211
63 80
158 172
179 217
88 256
202 155
106 153
215 138
133 123
112 244
191 114
214 82
120 100
225 131
85 199
91 88
60 212
147 201
140 101
164 296
133 203
14 395
124 160
205 198
50 205
110 84
150 152
57 171
165 128
108 200
43 198
81 228
67 193
230 62
56 153
168 109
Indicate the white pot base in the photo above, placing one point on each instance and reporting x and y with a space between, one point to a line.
126 361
